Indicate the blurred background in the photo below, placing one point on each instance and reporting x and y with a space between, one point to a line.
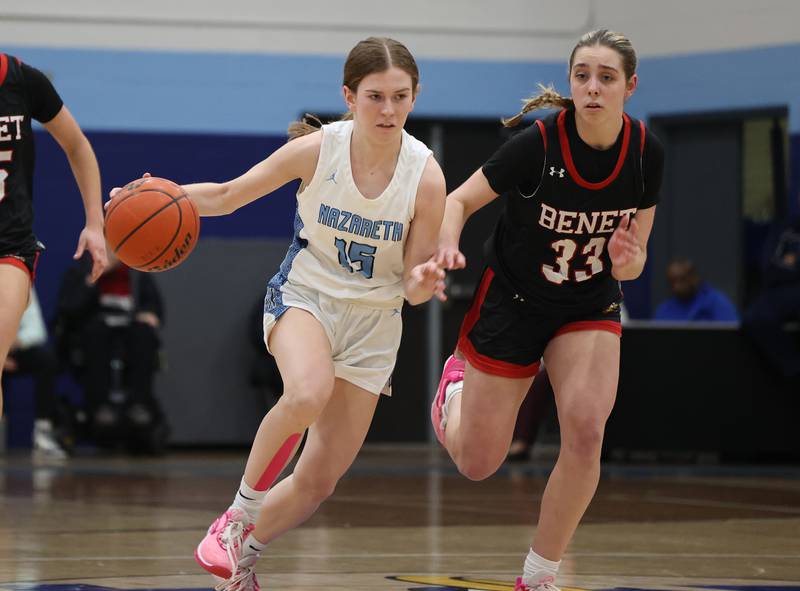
201 91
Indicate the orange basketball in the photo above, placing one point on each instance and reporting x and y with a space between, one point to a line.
151 224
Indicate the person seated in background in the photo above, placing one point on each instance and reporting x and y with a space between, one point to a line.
692 298
109 334
30 355
779 302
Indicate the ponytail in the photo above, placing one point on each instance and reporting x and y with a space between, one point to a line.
309 123
548 97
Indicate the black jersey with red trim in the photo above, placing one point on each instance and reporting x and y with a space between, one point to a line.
25 94
563 201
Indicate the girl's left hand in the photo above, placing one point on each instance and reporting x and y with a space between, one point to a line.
624 246
430 277
93 241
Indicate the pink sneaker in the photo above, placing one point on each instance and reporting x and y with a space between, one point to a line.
453 372
543 585
244 580
219 551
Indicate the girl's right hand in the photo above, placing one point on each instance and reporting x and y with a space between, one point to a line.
116 190
449 257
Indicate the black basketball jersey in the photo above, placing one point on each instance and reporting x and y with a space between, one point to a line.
550 245
25 94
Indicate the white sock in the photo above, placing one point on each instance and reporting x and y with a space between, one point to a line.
251 551
538 569
249 500
450 392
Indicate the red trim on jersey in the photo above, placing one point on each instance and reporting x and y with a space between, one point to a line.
543 133
15 262
641 125
3 67
582 325
567 154
482 362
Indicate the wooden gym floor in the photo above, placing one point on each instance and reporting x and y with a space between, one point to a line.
402 519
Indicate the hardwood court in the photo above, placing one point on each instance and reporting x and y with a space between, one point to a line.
402 519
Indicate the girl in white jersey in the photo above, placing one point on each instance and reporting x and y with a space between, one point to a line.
368 215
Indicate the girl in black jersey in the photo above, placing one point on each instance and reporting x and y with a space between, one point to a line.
580 190
25 94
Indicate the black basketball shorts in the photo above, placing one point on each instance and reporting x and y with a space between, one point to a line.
26 259
504 335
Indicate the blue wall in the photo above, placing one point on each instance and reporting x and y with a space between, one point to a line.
194 116
260 94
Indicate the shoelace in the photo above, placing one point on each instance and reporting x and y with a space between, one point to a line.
546 585
231 538
243 580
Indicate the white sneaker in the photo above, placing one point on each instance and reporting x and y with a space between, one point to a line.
45 443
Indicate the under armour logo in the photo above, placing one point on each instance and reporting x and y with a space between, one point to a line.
332 178
559 172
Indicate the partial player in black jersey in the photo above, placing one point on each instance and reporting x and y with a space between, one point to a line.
580 189
26 94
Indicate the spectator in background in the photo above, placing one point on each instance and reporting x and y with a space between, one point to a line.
30 355
692 298
109 333
779 303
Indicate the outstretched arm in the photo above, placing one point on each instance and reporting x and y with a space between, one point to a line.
295 159
68 134
422 277
473 194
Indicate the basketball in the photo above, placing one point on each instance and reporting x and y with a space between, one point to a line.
151 224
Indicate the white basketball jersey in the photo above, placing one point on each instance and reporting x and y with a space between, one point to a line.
345 245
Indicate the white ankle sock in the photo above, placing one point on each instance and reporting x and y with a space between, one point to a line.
251 551
249 500
452 390
538 568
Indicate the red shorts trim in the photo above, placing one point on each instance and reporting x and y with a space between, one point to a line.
15 262
475 311
482 362
493 366
583 325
